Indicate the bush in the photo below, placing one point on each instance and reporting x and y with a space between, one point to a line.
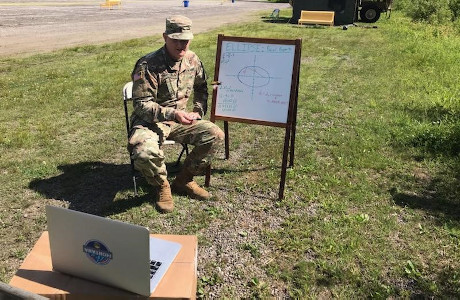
433 12
456 25
455 8
401 5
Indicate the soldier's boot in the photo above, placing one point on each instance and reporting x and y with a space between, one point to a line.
184 184
165 203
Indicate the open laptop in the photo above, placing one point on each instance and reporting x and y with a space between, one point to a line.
108 251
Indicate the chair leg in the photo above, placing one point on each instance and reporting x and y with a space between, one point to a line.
133 171
135 185
184 149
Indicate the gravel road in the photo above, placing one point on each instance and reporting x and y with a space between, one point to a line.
28 27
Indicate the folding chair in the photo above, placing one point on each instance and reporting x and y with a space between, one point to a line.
127 96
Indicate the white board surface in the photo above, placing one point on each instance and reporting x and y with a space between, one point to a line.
255 81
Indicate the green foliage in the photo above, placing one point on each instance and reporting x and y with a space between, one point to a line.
433 12
455 8
400 4
411 271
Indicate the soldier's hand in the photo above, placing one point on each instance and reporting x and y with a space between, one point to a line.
194 116
186 118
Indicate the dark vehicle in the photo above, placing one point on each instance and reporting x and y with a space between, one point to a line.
369 11
346 11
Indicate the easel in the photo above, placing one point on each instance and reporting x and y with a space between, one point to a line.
258 48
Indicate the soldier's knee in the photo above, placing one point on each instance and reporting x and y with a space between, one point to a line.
142 156
147 155
218 134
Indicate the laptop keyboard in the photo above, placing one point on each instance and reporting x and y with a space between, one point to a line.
154 266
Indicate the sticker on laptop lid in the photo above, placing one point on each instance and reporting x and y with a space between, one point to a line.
97 252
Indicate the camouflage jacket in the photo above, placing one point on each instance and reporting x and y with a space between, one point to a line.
162 85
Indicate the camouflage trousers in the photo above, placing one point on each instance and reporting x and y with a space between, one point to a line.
147 153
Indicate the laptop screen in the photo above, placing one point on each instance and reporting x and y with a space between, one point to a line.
106 251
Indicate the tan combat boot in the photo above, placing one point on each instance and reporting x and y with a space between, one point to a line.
184 184
165 203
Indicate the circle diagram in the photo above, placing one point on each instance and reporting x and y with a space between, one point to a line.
254 76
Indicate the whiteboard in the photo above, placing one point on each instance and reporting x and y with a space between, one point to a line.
254 80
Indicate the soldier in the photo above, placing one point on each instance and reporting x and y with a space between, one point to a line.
162 84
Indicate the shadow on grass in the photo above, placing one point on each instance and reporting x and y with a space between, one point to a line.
441 133
280 20
438 140
90 187
438 198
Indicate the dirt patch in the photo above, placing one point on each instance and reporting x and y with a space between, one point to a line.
35 27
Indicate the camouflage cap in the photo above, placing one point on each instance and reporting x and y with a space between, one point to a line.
179 28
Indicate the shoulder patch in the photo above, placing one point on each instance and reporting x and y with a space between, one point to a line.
140 71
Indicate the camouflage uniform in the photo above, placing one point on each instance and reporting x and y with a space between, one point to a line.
160 87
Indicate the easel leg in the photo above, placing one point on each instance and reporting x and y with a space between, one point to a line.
287 139
292 147
227 147
207 178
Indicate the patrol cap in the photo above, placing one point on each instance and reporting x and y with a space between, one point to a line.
179 27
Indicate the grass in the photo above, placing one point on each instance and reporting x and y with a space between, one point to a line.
371 206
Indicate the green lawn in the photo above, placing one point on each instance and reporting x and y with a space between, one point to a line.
371 207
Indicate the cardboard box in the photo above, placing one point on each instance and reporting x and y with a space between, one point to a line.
37 276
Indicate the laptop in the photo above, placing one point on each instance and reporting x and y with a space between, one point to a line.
108 251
